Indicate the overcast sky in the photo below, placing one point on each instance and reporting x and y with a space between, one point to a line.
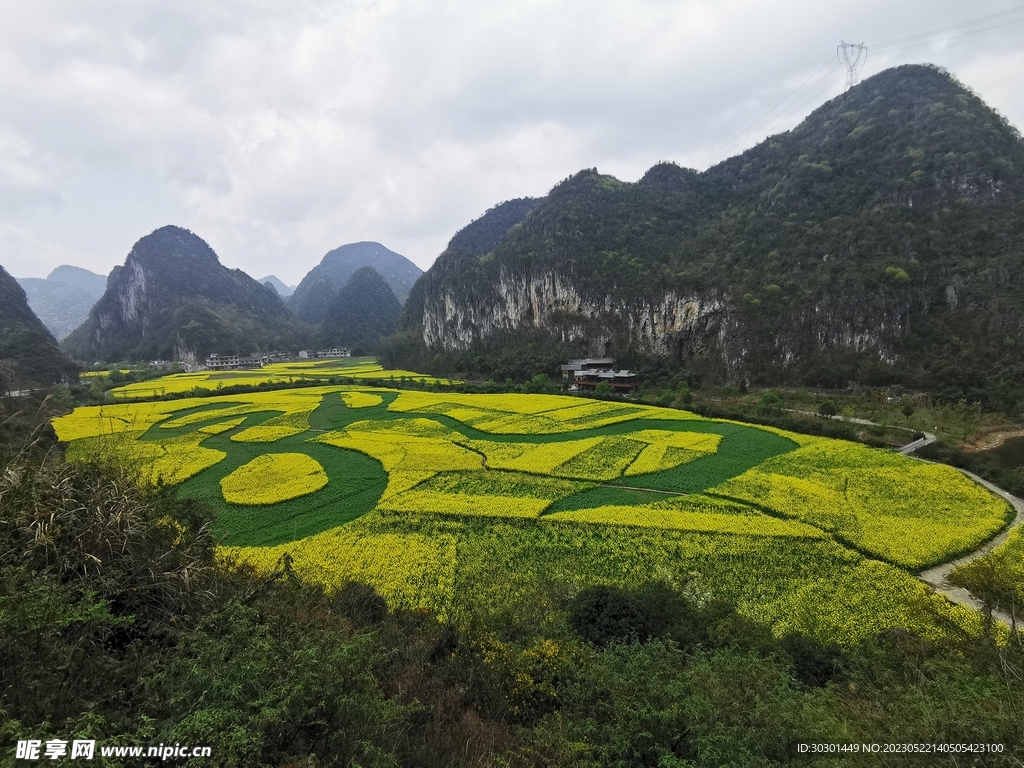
279 130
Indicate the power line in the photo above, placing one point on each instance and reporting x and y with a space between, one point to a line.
757 123
781 119
851 54
946 29
955 37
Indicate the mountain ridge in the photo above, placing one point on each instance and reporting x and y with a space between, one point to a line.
317 289
173 299
29 354
364 310
829 254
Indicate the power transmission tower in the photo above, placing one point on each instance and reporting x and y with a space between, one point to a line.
851 54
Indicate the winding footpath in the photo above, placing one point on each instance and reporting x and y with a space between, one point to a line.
938 577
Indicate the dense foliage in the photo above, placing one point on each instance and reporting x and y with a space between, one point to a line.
173 299
880 241
481 235
118 624
29 355
363 311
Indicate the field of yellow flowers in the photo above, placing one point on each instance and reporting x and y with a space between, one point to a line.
441 499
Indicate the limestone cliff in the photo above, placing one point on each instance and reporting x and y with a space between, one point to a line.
881 240
173 299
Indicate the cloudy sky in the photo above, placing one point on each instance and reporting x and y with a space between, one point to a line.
279 130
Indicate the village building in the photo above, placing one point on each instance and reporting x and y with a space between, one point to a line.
216 362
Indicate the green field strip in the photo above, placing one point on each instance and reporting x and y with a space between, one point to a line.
159 433
355 484
357 481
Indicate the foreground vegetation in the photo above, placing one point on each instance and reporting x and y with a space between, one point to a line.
119 622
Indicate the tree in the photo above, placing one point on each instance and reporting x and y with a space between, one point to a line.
770 404
908 411
828 409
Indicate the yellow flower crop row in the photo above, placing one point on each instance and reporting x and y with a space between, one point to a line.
413 427
509 403
361 399
276 373
410 571
540 458
97 420
529 414
220 427
263 433
909 512
695 518
406 453
605 461
273 478
670 449
168 462
1013 547
417 501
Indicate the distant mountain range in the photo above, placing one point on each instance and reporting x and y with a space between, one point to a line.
63 299
881 241
29 354
282 290
314 295
173 299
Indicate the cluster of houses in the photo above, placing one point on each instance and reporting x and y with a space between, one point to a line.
218 362
585 373
588 372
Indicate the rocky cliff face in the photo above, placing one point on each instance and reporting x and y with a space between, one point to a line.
878 241
671 324
172 299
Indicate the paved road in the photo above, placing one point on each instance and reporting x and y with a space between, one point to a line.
910 447
937 577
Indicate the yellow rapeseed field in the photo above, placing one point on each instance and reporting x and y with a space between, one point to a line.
273 478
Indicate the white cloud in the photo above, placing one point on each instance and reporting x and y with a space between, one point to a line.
279 131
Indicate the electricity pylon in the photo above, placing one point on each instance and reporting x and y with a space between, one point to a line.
851 54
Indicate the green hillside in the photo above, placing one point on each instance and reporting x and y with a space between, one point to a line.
880 241
173 300
314 294
29 355
363 311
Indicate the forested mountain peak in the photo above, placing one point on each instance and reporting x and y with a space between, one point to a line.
912 135
670 177
173 299
28 352
90 282
362 311
313 295
481 235
879 241
63 299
